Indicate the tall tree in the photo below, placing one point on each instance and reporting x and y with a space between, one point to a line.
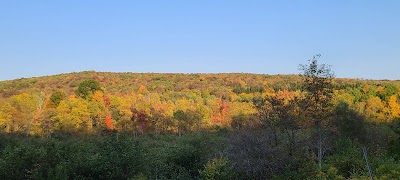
318 86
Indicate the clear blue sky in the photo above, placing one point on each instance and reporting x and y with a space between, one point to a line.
359 38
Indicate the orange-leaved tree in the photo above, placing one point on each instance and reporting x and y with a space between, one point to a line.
109 123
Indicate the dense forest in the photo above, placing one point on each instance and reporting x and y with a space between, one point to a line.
103 125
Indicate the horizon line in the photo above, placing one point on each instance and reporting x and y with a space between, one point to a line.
188 73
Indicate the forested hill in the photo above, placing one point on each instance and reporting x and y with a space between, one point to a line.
216 84
93 125
154 82
162 102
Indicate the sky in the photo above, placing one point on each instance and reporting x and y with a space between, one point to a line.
358 38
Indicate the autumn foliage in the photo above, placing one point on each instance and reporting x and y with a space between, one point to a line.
109 123
158 125
146 103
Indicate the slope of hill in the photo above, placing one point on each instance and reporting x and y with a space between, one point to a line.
147 120
162 102
161 82
154 82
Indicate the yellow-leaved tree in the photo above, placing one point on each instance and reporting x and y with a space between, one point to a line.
394 107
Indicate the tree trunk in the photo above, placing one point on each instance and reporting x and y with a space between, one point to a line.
364 151
319 145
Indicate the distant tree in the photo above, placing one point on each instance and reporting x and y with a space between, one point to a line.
26 108
142 121
394 107
39 100
97 108
47 119
56 97
317 103
180 118
194 120
73 116
143 90
6 117
109 123
186 121
62 120
87 88
80 114
387 91
375 109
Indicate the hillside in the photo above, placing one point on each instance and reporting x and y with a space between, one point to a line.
162 82
154 82
212 99
92 125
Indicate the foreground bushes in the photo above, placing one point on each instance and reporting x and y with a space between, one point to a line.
219 155
104 157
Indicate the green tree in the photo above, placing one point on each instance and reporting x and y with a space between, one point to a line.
87 88
56 97
180 118
217 168
317 102
387 91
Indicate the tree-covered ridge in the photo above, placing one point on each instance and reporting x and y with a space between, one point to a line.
161 82
154 82
160 103
247 126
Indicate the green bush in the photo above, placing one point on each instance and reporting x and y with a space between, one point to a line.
347 159
217 168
